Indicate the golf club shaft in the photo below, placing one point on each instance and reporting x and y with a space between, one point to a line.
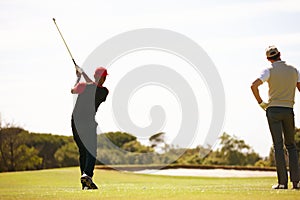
64 42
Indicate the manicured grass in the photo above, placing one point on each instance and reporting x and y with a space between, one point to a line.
64 184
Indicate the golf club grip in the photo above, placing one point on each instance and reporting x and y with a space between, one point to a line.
74 62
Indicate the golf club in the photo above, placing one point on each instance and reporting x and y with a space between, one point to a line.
76 66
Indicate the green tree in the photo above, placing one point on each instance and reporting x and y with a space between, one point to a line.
121 148
116 138
233 152
262 163
271 157
135 146
47 145
193 156
14 153
215 158
67 155
27 158
297 140
9 143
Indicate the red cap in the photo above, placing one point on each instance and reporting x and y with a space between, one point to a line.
100 71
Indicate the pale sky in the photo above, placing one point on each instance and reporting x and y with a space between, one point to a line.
37 72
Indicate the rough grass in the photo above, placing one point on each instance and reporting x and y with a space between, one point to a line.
64 184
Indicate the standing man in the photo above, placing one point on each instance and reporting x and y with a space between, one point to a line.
90 96
282 80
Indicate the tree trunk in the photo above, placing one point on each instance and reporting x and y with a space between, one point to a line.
12 160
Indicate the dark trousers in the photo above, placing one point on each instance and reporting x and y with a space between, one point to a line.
86 159
282 128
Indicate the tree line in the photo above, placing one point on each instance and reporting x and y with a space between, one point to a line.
22 150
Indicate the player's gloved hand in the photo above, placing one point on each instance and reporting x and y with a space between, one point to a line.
264 105
78 69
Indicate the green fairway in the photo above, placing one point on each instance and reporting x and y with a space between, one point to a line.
64 184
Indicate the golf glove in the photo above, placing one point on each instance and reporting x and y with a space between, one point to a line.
80 70
264 105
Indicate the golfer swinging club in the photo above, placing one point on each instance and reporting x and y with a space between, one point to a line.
90 96
283 80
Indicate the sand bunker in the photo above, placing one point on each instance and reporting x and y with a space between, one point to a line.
209 172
